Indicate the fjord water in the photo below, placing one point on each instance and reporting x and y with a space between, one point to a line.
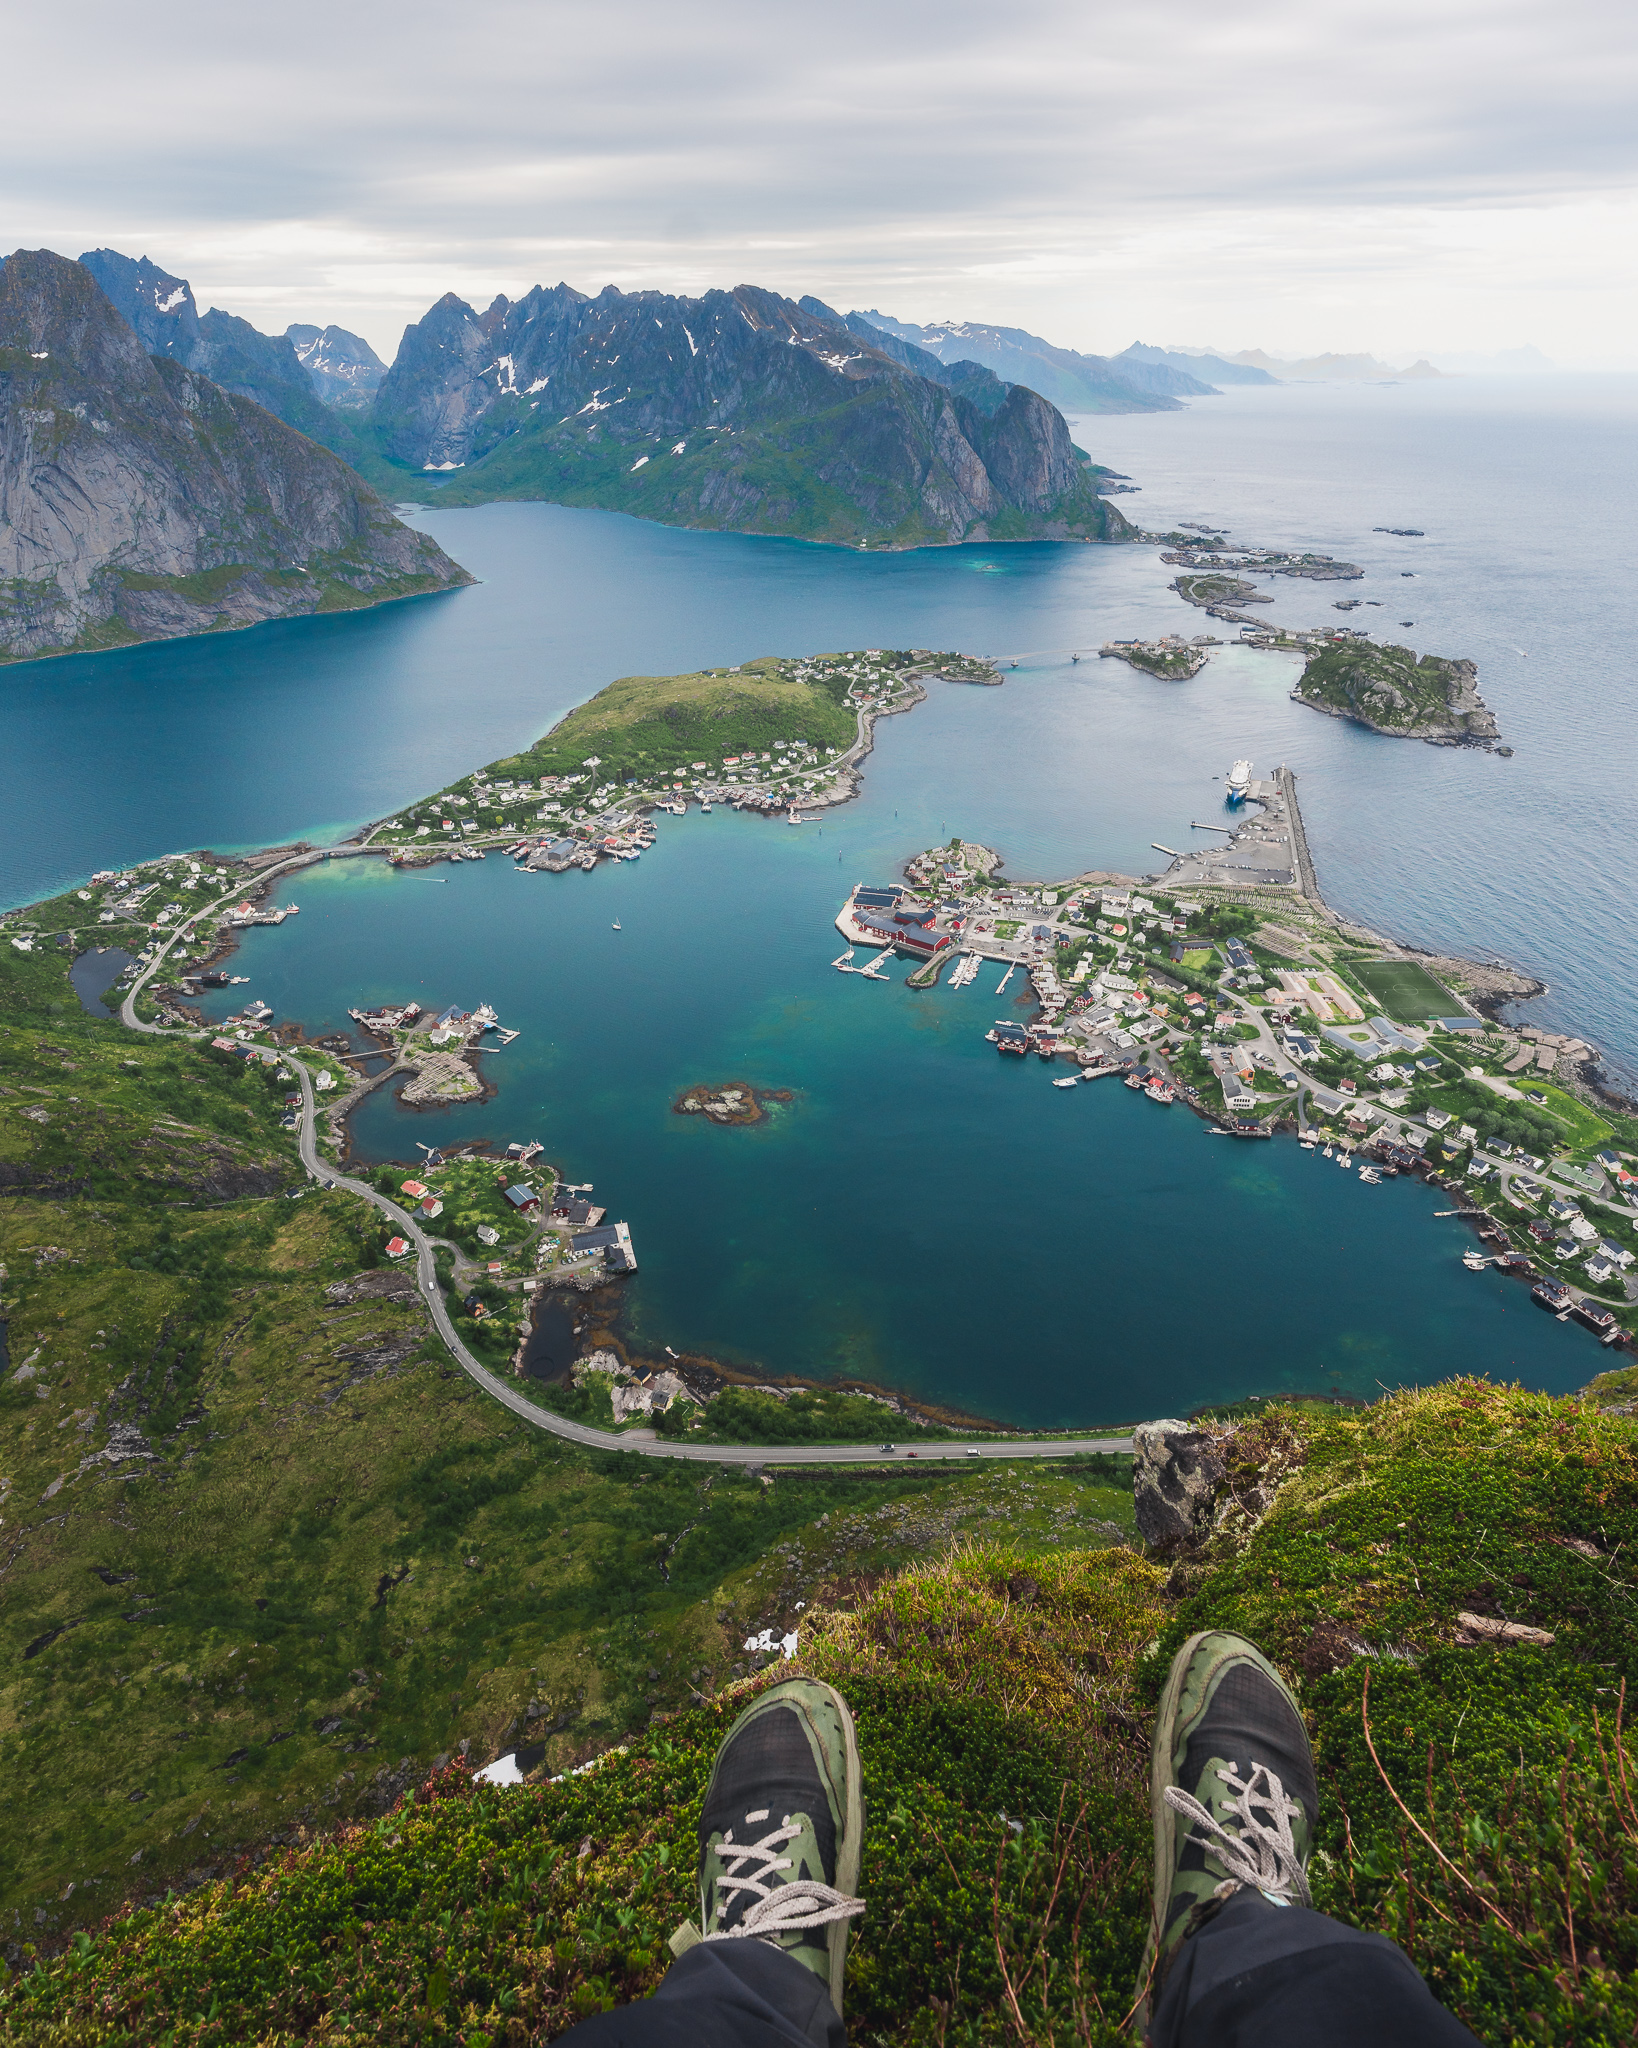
922 1214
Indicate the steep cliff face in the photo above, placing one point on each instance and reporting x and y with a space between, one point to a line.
138 500
738 409
160 310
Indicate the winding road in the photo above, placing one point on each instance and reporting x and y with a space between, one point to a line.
642 1443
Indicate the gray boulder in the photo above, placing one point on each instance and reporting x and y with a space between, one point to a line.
1176 1471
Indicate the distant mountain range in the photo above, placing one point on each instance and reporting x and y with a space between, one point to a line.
139 499
738 410
1140 379
1358 369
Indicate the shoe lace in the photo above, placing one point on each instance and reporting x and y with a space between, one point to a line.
778 1905
1261 1852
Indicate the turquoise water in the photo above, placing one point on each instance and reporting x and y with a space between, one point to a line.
921 1214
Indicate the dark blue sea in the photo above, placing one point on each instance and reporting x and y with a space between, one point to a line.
920 1214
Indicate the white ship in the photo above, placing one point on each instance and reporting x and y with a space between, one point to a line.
1239 781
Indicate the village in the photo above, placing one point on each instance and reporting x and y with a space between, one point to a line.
1227 987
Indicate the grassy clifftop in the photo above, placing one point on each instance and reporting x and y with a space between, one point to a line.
1478 1797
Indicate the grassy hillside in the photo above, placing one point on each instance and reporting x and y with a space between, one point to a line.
649 725
264 1552
790 716
1478 1799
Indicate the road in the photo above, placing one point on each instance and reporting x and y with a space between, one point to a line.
426 1275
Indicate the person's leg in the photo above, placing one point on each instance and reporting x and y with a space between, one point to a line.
780 1839
724 1994
1237 1955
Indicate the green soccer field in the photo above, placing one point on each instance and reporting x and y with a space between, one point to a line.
1407 992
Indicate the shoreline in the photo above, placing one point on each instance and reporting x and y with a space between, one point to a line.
1493 987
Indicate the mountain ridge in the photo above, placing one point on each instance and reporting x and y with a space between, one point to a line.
139 500
1063 376
751 412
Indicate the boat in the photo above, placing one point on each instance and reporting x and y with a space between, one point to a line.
1370 1176
1474 1261
1239 782
1068 1081
1308 1144
616 925
706 808
1161 1091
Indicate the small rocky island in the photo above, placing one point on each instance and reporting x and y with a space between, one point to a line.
1393 690
1170 658
735 1103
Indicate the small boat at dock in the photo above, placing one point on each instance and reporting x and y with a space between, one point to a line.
1068 1081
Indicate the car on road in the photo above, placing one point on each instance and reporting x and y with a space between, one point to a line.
886 1447
973 1453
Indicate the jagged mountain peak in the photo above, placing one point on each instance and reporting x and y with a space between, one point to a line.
735 407
139 500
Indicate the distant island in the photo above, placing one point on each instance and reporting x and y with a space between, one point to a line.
1393 690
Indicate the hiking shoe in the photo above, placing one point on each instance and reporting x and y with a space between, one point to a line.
1232 1793
782 1829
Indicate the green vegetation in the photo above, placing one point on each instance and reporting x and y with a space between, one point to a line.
1405 991
1170 664
651 725
772 719
1392 690
1476 1799
744 1415
858 472
1214 588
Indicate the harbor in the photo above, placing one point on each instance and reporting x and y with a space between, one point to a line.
1224 984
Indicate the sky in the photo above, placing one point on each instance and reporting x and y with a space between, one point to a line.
1414 177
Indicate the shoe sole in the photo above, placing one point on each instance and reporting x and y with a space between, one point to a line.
1160 1814
850 1849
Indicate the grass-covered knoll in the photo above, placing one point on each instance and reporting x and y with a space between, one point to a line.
1003 1689
645 725
1405 991
1393 690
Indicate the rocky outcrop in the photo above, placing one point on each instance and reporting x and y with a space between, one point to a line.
139 500
1176 1472
1392 690
738 410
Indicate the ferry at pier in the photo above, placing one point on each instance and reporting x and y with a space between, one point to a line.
1239 782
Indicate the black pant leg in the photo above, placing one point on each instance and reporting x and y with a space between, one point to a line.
723 1994
1258 1975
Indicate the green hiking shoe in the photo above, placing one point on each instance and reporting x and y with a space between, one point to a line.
782 1829
1232 1793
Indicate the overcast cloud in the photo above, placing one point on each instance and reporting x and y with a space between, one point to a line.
1402 178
